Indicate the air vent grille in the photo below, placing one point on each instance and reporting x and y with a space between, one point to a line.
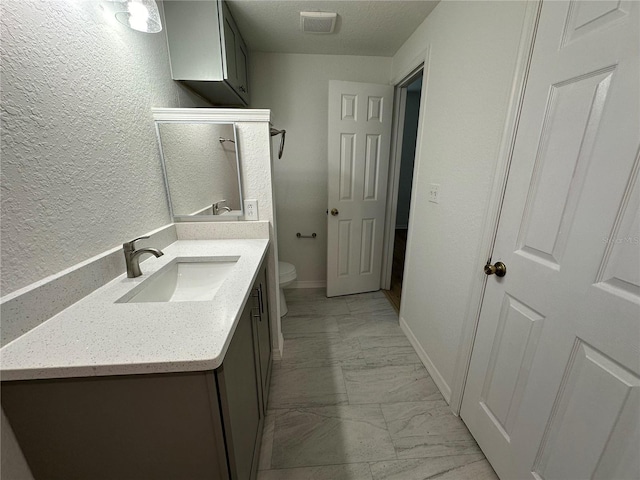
317 22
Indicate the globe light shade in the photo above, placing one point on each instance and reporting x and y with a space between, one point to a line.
141 15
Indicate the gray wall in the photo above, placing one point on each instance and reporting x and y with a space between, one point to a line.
80 167
408 156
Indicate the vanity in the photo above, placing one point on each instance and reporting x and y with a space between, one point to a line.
131 382
164 375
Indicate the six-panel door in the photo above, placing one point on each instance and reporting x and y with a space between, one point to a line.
553 390
358 163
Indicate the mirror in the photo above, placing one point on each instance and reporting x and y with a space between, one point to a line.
201 170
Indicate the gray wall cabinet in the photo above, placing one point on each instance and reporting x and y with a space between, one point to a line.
206 50
195 425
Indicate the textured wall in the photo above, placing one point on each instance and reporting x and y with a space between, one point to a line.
296 87
466 91
80 168
201 169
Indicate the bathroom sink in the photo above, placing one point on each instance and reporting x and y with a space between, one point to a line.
183 280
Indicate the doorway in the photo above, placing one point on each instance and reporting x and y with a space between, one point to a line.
402 163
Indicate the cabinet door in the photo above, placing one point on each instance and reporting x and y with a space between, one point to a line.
241 64
240 401
230 43
193 37
263 334
142 427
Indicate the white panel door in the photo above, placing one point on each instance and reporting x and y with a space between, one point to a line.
358 157
554 381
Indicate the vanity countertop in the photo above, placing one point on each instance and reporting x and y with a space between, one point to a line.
98 337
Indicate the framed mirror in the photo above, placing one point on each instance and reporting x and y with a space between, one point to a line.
201 167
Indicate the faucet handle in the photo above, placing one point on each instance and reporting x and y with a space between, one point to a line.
131 245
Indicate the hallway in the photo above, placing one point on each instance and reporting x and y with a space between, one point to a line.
394 294
350 400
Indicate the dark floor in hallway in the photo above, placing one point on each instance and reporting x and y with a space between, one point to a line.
397 269
350 400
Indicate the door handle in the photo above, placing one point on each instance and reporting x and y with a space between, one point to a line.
334 212
257 294
499 268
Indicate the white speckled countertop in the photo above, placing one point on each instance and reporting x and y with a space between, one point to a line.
97 336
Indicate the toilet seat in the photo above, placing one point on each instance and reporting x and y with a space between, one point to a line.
287 272
287 276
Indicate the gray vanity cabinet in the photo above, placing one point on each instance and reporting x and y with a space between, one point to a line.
184 425
262 328
206 50
243 382
143 427
239 392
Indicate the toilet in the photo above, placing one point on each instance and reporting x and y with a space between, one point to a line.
287 276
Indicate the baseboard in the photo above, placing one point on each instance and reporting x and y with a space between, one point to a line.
428 364
308 284
276 353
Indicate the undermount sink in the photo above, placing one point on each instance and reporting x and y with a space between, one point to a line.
183 280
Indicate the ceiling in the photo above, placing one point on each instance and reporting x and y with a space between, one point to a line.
363 27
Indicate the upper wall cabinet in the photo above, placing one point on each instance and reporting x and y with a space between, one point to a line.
206 50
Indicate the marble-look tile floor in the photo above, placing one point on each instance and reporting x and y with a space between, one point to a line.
350 400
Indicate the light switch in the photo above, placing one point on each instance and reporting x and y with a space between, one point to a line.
251 209
434 192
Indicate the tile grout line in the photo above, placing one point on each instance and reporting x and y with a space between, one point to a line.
364 462
331 338
373 462
344 382
395 450
440 474
371 471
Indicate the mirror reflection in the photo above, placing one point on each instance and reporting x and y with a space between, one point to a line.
201 168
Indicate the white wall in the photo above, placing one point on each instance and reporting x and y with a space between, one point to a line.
295 87
80 168
468 76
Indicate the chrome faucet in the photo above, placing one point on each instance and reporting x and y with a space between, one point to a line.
132 256
217 208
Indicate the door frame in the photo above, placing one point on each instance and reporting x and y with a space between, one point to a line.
374 207
395 161
494 205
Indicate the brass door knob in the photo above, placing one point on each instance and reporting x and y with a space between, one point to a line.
334 212
499 268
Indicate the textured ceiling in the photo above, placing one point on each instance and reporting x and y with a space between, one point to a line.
363 27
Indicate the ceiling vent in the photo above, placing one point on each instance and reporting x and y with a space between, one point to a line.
318 22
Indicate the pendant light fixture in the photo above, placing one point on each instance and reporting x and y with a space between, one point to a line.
141 15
